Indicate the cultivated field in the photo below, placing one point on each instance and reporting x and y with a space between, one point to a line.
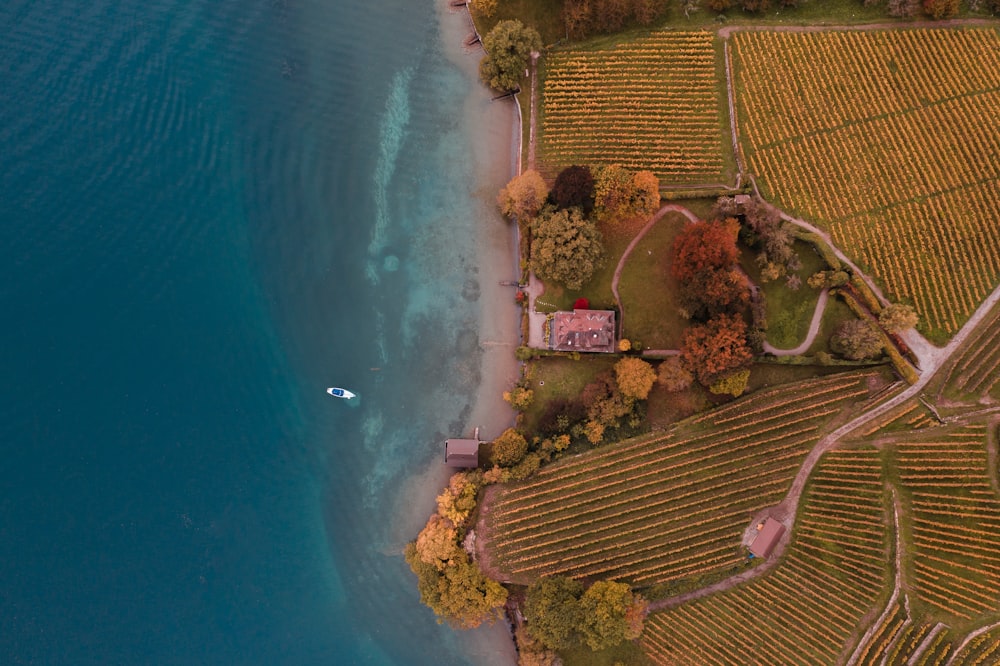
974 372
669 506
954 514
653 103
808 610
890 140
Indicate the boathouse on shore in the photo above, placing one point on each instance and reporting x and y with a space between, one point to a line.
462 453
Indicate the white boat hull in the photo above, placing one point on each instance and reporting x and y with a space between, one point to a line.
340 393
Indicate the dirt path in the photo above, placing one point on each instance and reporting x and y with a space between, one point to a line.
787 510
864 27
669 208
817 319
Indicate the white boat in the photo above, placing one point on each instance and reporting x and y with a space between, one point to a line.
340 393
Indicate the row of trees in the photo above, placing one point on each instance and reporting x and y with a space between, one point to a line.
587 17
566 245
714 292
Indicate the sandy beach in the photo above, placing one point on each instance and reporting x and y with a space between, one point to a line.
494 128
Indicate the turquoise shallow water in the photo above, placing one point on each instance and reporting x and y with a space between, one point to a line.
210 213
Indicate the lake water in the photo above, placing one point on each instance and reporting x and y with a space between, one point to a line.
211 211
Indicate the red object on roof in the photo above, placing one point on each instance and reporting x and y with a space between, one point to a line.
581 304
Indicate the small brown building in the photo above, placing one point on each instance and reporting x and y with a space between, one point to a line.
461 453
583 331
767 538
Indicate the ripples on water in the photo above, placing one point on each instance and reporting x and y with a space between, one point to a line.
211 212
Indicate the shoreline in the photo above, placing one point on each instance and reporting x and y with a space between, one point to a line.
491 129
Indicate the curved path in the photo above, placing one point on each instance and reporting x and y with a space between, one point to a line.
669 208
786 511
817 319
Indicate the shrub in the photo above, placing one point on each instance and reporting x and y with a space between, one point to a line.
509 448
897 317
520 398
856 340
734 384
673 376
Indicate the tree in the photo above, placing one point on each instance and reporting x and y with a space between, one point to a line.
437 543
710 351
856 340
519 397
903 8
574 187
704 245
646 193
610 614
459 593
485 7
620 193
939 9
712 292
566 248
509 448
458 500
635 377
613 187
897 317
733 384
523 196
673 376
508 47
552 610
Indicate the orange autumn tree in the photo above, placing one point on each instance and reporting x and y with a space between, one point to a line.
713 350
705 246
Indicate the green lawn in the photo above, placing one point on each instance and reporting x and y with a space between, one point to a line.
559 377
649 293
788 311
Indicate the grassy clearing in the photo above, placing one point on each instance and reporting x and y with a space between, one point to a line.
789 312
627 653
807 610
559 378
649 292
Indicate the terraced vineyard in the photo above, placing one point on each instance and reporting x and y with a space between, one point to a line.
670 506
955 521
653 103
975 371
982 650
808 609
890 140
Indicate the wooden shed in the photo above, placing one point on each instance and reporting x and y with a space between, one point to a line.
767 538
461 453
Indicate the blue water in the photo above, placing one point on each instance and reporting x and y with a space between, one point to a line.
211 211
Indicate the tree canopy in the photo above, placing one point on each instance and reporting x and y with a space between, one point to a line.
524 195
561 615
566 248
574 187
897 317
509 448
586 17
611 614
856 340
508 47
710 351
705 246
635 377
552 609
620 193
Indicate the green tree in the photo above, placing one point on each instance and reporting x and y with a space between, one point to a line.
856 340
609 614
635 377
897 317
509 448
733 384
523 196
459 593
566 248
508 47
552 610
